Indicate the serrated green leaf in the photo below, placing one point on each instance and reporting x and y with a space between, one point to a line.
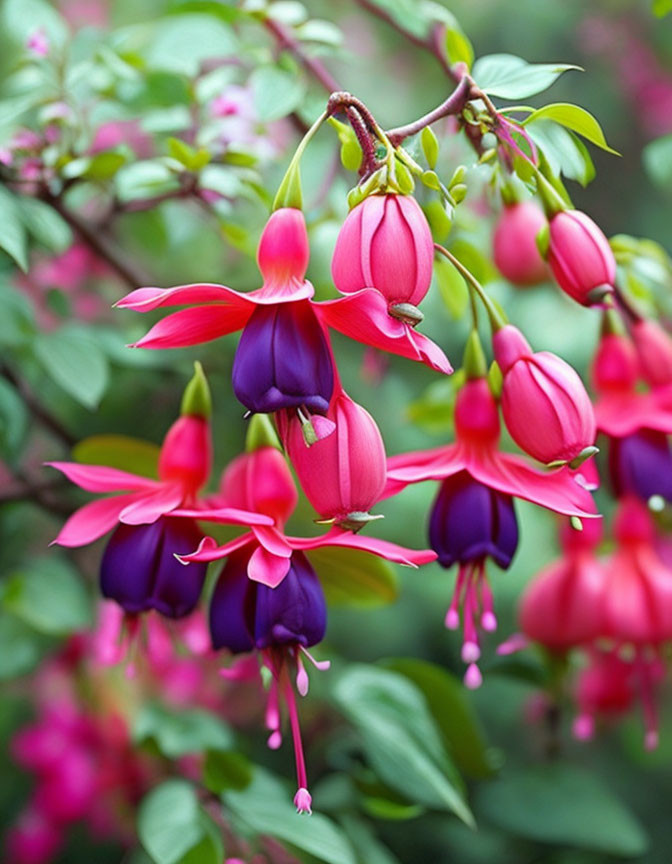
13 239
276 92
571 807
45 225
73 359
400 738
511 77
353 578
265 807
49 595
174 829
575 118
119 451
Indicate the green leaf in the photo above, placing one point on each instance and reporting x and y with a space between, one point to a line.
452 713
369 849
177 733
565 805
276 92
50 596
400 738
17 322
661 8
430 146
452 287
73 359
183 42
354 578
13 239
435 408
226 769
20 18
458 47
565 152
13 421
657 157
322 31
575 118
144 179
119 451
511 77
289 12
45 225
192 159
174 829
19 649
407 14
265 807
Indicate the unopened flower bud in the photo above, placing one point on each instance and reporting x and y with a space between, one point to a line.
515 243
385 243
344 473
580 257
654 349
544 403
283 251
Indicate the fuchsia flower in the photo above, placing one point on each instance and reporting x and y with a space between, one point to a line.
544 403
621 408
283 359
269 548
514 243
654 350
385 243
606 688
155 520
560 608
343 475
580 257
473 516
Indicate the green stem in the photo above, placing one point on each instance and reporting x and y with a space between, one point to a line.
289 191
550 198
497 320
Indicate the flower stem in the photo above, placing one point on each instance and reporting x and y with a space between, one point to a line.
497 320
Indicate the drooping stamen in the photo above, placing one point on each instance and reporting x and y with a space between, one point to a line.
472 677
516 642
583 727
470 647
453 614
321 665
302 681
488 617
272 717
302 799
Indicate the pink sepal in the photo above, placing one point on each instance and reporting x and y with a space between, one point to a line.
381 548
100 478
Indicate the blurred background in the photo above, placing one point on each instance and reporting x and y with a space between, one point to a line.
136 67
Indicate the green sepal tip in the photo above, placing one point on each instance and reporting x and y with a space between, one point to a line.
197 401
261 433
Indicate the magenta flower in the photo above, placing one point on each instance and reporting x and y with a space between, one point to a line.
544 403
580 257
654 350
385 243
622 408
269 548
473 516
606 689
283 360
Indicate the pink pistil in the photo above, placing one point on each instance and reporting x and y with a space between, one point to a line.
302 799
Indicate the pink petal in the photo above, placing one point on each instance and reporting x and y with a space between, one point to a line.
381 548
267 568
435 464
151 506
208 549
225 516
93 520
623 414
99 478
273 541
146 299
363 316
195 326
555 490
284 292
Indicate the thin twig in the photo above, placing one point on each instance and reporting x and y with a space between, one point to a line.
454 104
316 67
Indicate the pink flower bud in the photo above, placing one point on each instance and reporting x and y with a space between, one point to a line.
186 454
514 243
261 482
544 403
344 473
385 243
654 349
580 257
283 251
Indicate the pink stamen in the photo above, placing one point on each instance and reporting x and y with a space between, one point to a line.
302 682
473 678
302 799
583 727
453 614
320 665
515 643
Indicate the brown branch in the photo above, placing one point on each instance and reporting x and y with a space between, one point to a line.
97 241
45 417
315 67
454 104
